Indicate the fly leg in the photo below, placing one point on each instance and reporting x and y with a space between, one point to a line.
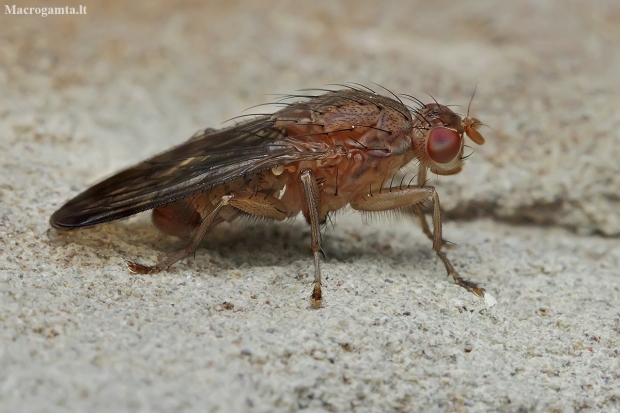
312 195
249 202
411 196
417 210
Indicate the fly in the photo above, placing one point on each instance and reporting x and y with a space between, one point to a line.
314 156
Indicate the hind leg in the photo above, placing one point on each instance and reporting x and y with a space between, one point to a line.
251 203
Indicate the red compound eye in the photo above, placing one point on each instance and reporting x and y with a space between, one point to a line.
443 145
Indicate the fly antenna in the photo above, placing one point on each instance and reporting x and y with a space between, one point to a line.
471 99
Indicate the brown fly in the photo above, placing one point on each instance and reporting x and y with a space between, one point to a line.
314 157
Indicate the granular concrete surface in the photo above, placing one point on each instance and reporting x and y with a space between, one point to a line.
534 216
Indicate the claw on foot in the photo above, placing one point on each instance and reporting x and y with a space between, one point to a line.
479 291
472 287
316 300
136 268
316 304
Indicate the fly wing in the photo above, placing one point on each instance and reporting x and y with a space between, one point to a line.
207 159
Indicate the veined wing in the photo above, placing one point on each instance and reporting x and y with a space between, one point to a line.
207 159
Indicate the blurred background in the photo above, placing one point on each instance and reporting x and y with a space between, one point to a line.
92 93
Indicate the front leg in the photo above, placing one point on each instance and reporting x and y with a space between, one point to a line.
412 195
418 212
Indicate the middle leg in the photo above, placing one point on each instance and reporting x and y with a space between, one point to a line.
312 195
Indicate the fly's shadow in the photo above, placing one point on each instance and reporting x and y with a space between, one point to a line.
254 244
